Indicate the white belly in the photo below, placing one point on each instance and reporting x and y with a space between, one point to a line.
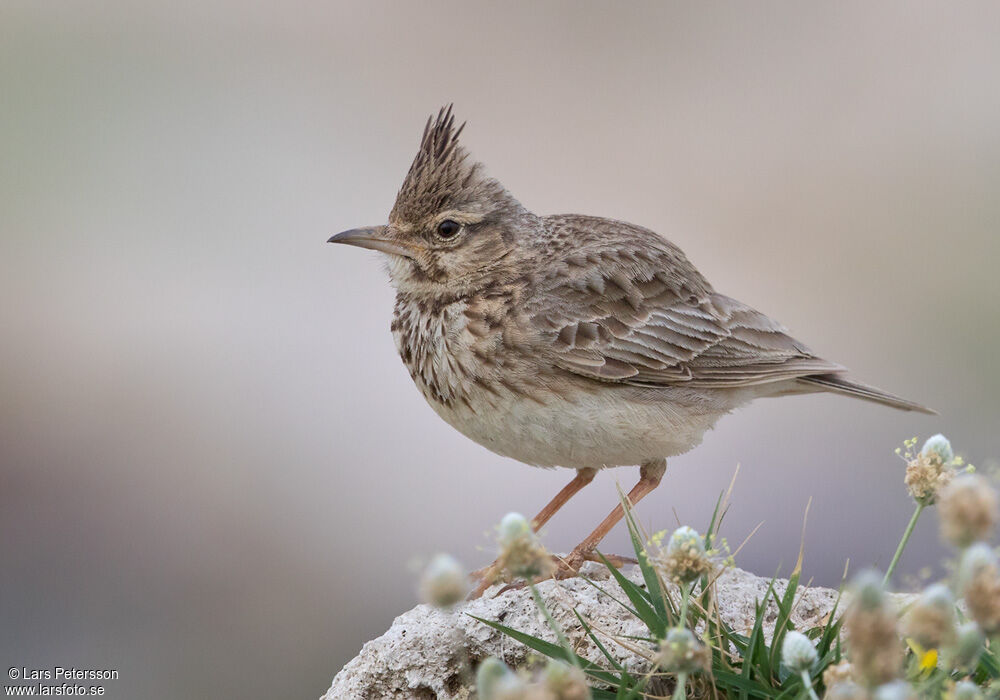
599 429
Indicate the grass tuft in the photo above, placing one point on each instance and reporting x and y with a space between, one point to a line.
691 649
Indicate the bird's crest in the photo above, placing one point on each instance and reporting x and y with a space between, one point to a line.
441 176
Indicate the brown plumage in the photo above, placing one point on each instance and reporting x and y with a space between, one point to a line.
570 340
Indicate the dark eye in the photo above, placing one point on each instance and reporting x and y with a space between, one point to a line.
449 228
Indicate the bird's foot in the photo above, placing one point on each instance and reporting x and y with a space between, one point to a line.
563 568
486 576
569 566
485 573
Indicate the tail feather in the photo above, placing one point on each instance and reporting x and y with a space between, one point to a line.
842 385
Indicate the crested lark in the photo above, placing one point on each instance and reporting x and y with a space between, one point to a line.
569 340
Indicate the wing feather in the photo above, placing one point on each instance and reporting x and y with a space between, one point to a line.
632 309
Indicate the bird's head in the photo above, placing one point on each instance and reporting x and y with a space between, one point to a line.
452 227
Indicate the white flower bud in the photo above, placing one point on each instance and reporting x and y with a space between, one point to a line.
521 553
938 446
513 527
495 681
686 539
976 558
841 672
979 580
938 595
969 643
845 690
681 652
868 590
870 625
444 582
967 690
685 558
931 619
895 690
968 507
798 652
565 682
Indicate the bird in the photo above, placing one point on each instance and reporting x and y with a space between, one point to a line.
569 340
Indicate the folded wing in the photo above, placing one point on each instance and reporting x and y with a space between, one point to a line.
639 313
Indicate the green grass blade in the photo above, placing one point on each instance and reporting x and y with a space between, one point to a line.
756 657
989 664
553 651
752 656
785 605
656 594
643 609
797 690
740 638
728 681
709 534
831 631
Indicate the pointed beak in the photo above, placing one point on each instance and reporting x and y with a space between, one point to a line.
374 238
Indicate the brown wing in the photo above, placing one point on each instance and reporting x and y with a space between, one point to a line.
630 308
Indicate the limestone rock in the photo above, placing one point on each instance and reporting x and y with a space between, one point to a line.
430 654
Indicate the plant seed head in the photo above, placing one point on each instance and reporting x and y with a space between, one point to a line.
495 681
838 673
444 582
513 526
930 621
938 447
895 690
685 559
874 648
968 510
521 554
925 476
980 581
845 690
968 646
868 591
966 690
681 652
565 682
798 652
976 558
686 539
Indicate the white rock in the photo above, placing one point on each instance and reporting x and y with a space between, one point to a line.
430 654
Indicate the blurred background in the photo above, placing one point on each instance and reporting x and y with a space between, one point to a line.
216 474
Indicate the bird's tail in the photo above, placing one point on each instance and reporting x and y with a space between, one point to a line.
842 385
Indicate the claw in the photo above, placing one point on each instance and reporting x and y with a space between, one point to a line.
486 576
566 567
570 566
485 573
516 586
616 560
